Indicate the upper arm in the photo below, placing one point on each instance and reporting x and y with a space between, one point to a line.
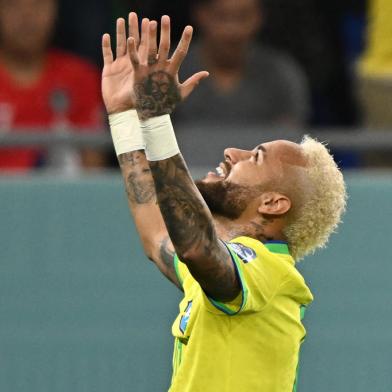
163 257
217 275
190 226
215 271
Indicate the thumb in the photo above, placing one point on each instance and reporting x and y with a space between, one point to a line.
189 85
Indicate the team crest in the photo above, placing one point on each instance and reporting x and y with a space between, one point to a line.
243 252
185 318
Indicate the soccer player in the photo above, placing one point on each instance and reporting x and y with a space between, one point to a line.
230 243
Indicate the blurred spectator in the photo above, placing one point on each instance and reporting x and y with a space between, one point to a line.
375 67
374 76
80 25
41 87
313 33
248 84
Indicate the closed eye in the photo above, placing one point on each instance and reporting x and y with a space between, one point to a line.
262 149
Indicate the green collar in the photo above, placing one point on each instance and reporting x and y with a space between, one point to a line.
277 247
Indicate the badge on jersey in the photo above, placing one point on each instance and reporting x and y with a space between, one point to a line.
185 318
243 252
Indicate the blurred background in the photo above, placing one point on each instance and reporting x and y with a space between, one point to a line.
81 308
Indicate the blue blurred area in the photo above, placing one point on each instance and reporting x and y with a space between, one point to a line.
82 309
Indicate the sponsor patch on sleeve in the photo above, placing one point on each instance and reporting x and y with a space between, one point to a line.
243 252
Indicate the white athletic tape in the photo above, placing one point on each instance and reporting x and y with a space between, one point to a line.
159 137
126 132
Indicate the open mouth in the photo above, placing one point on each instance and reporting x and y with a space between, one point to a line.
222 171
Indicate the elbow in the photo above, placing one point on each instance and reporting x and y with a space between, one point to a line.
148 250
151 248
190 256
150 254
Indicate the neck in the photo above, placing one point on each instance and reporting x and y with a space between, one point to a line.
259 229
24 68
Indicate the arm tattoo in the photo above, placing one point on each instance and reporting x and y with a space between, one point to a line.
167 258
190 227
156 95
167 255
139 184
183 210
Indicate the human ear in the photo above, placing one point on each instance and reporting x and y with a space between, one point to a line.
273 203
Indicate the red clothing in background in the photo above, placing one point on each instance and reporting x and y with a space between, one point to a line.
67 91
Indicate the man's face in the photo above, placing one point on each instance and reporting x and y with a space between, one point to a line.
246 174
26 25
229 23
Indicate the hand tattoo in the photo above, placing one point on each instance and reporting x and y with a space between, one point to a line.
156 95
138 181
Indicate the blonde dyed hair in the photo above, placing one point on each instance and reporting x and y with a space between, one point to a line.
323 201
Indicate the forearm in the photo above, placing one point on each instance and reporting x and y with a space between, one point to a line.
142 201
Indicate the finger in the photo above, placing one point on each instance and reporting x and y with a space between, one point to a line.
121 38
107 50
152 42
133 24
143 47
164 43
132 51
182 49
189 85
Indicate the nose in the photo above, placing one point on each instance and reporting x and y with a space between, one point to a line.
234 155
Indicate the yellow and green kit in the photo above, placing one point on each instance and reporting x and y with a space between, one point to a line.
252 343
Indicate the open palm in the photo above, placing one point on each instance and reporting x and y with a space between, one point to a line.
117 75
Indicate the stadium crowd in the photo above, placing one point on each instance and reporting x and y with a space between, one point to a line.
298 64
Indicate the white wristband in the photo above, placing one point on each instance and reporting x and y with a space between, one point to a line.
159 137
126 132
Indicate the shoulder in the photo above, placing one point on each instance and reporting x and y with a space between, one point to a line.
271 264
247 247
271 260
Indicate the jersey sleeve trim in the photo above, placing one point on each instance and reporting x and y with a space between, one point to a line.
225 307
177 270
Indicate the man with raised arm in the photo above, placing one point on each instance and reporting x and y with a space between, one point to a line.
231 242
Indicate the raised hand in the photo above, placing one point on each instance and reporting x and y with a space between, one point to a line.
117 74
156 85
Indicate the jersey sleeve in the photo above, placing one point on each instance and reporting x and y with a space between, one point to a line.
181 270
260 274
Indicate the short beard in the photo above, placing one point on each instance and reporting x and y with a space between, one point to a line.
227 199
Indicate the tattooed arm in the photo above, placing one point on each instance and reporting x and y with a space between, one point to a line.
142 203
187 217
191 229
117 85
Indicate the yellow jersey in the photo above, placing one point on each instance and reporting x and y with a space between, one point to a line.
377 58
252 343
